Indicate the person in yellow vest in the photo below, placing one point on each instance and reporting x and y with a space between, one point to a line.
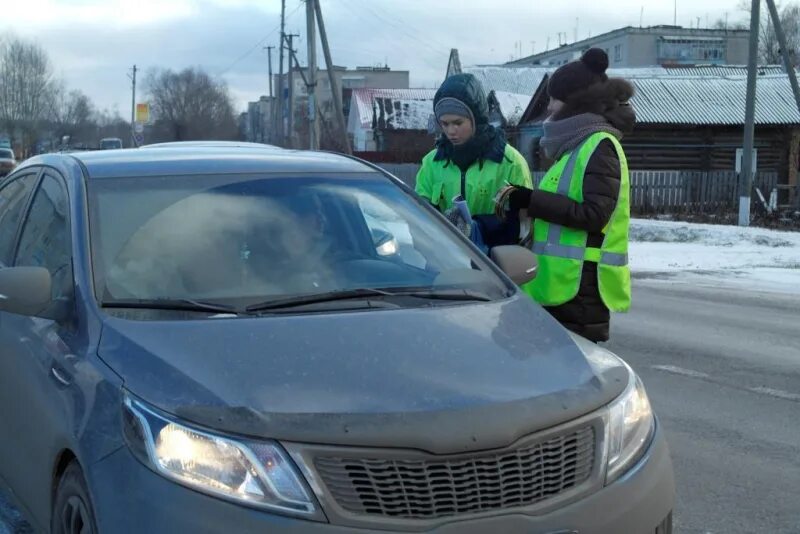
581 208
471 161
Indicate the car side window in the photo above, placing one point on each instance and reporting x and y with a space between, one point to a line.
13 199
45 240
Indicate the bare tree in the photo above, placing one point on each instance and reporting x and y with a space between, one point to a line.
190 105
72 114
769 49
725 24
111 124
25 88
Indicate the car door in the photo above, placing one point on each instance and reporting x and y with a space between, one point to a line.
37 355
15 196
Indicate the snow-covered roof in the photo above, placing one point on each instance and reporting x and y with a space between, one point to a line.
707 95
512 105
724 71
703 100
393 109
519 80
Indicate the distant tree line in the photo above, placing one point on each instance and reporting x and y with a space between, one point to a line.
38 111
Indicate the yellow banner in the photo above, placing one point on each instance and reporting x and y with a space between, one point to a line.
143 113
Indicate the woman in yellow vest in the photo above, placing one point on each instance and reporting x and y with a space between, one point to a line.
581 208
472 160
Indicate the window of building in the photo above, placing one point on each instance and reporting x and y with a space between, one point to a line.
691 50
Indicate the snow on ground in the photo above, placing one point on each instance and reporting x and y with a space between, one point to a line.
754 258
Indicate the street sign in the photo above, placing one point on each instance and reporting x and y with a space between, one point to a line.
740 159
139 138
138 127
143 112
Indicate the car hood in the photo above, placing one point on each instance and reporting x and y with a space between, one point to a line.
441 379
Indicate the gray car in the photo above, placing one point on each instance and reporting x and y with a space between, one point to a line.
229 339
8 162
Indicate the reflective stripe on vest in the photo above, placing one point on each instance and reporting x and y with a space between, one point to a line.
553 246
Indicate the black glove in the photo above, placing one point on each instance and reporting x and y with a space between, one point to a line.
520 199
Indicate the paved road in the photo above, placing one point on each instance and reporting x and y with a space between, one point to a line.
722 368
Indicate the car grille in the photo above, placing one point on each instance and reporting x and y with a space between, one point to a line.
434 488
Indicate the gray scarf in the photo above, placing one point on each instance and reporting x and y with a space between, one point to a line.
562 136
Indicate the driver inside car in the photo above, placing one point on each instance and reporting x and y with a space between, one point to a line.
296 251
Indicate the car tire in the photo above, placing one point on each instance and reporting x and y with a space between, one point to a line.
666 526
72 506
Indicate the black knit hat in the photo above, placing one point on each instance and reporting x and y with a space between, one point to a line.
577 75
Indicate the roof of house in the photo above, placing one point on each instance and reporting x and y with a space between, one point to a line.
393 109
511 105
700 96
703 100
519 80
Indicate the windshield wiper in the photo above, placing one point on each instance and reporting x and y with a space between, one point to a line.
433 293
170 304
365 293
315 298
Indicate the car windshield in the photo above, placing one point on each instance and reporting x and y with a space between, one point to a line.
249 240
6 154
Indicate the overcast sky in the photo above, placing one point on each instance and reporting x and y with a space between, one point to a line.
94 43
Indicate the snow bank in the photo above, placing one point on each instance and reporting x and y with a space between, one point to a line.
758 258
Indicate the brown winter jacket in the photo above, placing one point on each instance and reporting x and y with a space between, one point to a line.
586 314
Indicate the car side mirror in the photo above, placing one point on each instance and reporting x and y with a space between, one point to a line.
25 290
517 262
385 243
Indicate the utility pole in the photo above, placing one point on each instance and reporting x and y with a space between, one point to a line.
133 107
746 178
269 59
313 112
279 130
268 135
675 19
335 90
787 64
289 142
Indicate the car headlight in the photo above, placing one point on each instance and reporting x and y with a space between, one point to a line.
254 473
630 428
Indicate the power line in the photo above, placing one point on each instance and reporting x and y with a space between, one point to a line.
428 46
258 44
406 26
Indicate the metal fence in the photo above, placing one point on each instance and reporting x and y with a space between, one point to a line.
665 191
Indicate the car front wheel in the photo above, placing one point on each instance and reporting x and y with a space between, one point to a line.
72 507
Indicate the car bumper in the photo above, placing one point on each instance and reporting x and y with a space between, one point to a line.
130 498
